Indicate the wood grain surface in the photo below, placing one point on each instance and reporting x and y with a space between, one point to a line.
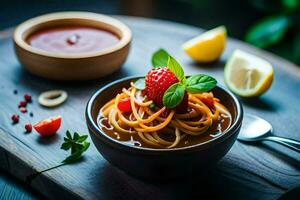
264 171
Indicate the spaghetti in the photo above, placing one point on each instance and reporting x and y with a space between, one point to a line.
161 127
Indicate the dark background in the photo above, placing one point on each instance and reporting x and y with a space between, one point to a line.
235 14
238 16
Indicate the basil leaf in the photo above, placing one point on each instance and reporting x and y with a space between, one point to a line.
200 83
173 95
268 31
160 58
175 67
140 84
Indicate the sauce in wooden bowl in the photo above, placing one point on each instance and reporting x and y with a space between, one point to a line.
72 39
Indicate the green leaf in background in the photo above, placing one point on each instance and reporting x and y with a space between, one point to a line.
290 5
175 67
200 83
275 6
296 48
140 84
268 31
160 58
270 6
173 95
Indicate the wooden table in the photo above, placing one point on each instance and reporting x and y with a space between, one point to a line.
264 171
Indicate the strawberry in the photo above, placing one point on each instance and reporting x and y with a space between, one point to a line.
182 107
157 81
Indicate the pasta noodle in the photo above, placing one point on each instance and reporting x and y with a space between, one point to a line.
162 128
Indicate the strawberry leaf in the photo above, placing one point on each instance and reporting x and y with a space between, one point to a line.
140 84
175 67
173 95
160 58
200 83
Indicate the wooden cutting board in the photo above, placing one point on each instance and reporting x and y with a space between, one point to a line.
264 171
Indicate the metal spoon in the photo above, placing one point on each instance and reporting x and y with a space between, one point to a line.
256 129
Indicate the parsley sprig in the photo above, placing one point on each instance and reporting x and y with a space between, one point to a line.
78 145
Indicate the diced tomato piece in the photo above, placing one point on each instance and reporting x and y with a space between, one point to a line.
124 105
48 127
207 99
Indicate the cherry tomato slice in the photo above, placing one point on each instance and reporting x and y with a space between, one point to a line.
48 127
207 99
124 105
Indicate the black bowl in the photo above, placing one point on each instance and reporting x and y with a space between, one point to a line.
162 164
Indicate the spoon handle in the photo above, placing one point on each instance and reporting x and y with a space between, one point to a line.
292 144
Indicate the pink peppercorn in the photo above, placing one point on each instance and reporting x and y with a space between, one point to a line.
27 97
15 118
22 104
28 128
23 110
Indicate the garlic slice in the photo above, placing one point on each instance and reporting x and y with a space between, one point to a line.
52 98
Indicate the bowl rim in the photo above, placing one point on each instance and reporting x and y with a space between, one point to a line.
91 123
96 17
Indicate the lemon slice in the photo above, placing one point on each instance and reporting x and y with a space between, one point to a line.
208 46
247 75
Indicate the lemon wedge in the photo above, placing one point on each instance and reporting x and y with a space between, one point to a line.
248 75
208 46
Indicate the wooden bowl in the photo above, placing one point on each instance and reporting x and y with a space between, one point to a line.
161 164
62 66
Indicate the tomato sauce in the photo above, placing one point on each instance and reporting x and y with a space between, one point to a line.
72 39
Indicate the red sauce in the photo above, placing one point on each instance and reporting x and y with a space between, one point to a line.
72 39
